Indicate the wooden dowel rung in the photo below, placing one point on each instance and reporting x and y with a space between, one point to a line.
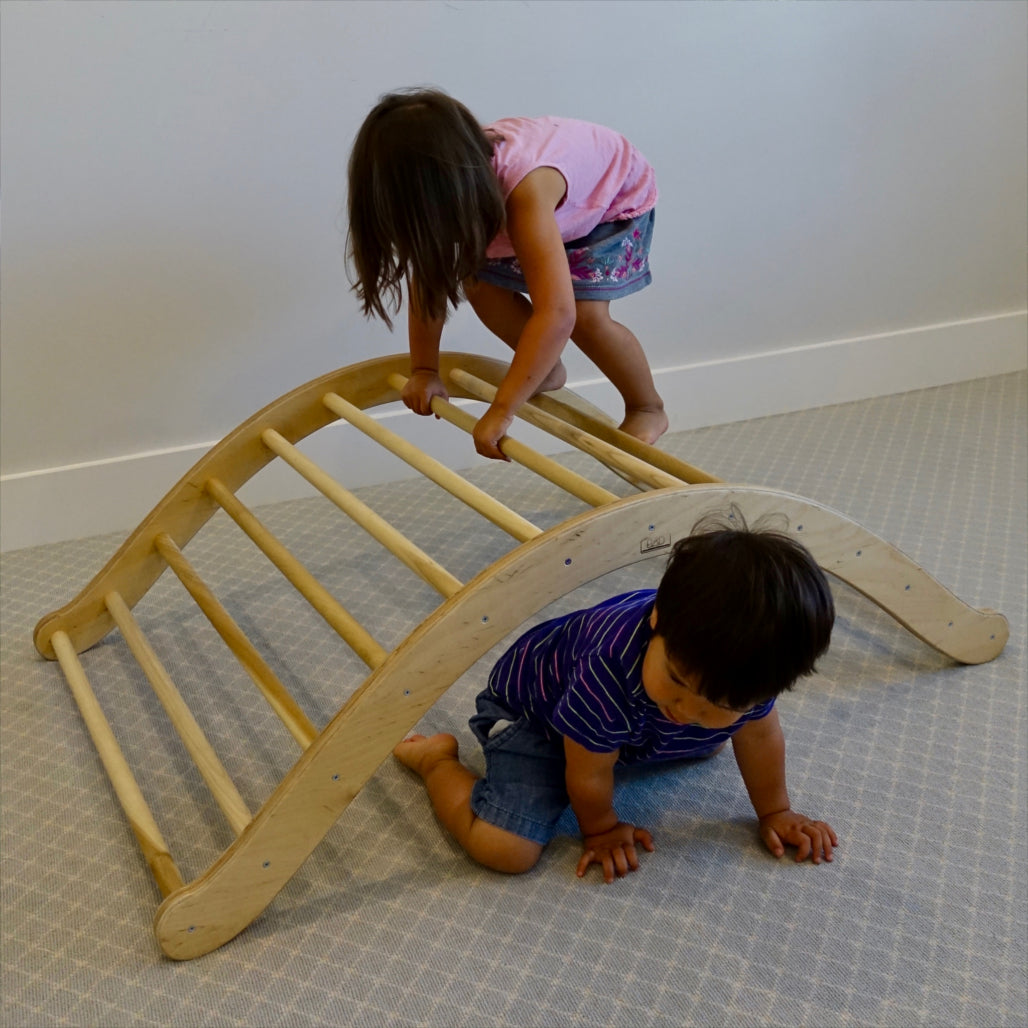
140 818
490 508
635 469
566 408
341 621
393 540
214 774
278 697
569 481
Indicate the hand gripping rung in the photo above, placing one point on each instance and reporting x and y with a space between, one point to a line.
569 481
503 517
341 621
191 734
288 711
393 540
140 818
637 470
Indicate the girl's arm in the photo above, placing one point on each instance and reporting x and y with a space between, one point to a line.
605 840
533 232
423 336
759 748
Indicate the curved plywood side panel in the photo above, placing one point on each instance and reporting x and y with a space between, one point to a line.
185 509
903 589
239 885
202 915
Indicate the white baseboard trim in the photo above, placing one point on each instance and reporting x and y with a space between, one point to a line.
820 374
53 504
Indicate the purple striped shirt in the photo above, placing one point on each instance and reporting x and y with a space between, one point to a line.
580 675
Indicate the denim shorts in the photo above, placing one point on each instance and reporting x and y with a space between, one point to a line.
523 789
611 262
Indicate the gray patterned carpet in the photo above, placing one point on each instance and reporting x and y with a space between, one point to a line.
919 764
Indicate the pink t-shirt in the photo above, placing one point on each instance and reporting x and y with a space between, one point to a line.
607 178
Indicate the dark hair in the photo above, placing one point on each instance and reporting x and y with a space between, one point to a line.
746 610
424 202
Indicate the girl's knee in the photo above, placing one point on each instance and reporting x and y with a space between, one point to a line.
592 319
472 289
480 294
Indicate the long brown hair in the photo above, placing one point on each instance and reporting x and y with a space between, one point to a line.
424 202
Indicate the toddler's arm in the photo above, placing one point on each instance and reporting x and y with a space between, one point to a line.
605 840
759 748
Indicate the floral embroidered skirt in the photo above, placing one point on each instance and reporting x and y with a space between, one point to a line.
611 262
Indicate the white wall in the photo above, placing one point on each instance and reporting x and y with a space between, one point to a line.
173 178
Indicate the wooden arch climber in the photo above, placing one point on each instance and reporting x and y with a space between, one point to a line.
336 761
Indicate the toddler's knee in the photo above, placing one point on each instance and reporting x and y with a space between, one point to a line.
519 861
503 851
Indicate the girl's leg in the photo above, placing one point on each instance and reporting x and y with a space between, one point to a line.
449 785
615 350
504 312
612 347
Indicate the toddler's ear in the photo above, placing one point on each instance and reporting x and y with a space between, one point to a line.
653 617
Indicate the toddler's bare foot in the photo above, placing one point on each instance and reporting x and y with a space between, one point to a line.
554 380
421 753
645 423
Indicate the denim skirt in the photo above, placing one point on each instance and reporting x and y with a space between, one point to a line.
611 262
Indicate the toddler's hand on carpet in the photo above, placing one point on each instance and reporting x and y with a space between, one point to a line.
615 850
813 839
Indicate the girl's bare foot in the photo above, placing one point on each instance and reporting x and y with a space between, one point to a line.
645 423
421 753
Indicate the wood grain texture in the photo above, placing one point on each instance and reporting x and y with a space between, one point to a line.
123 782
210 911
402 685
